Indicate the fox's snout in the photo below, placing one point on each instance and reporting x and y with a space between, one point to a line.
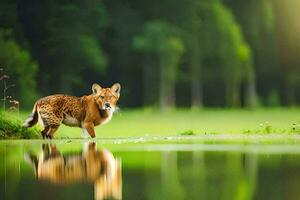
107 105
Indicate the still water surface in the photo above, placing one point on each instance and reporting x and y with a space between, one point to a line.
189 170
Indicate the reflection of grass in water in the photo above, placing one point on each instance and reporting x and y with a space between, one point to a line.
138 123
10 127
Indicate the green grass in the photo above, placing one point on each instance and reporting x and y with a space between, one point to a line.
139 123
10 127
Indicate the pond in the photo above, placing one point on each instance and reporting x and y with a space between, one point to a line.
140 169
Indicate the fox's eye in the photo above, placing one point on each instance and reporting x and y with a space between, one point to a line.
102 97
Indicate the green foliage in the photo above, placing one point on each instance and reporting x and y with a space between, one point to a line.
187 132
162 39
266 127
273 99
159 37
92 53
233 52
295 128
232 49
71 46
210 50
21 68
10 128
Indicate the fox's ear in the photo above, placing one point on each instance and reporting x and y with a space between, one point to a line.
116 88
96 88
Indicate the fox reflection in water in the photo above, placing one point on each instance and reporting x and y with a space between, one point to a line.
96 166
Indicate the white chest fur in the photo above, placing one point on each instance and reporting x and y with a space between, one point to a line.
108 118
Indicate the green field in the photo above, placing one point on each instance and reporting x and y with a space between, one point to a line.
139 123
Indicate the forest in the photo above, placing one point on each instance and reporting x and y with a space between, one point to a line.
209 100
166 53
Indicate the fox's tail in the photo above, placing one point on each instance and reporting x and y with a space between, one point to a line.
32 118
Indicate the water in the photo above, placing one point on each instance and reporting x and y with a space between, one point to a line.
119 169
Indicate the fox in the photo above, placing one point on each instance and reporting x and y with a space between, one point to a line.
84 112
92 165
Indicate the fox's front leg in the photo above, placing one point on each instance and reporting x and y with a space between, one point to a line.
90 129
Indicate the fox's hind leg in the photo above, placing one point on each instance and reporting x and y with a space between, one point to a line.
45 131
51 131
51 123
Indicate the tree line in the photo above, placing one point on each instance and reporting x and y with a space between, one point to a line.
164 53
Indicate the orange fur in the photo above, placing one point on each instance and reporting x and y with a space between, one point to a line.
85 112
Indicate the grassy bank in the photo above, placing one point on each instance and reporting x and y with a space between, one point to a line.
10 127
139 123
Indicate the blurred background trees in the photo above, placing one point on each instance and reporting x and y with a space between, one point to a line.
160 38
166 53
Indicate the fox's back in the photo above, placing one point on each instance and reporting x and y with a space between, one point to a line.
63 108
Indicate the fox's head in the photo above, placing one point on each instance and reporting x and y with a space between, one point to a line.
106 98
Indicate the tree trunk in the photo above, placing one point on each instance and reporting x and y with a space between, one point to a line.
291 82
196 82
236 101
250 93
290 94
232 94
167 88
150 81
168 72
196 93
